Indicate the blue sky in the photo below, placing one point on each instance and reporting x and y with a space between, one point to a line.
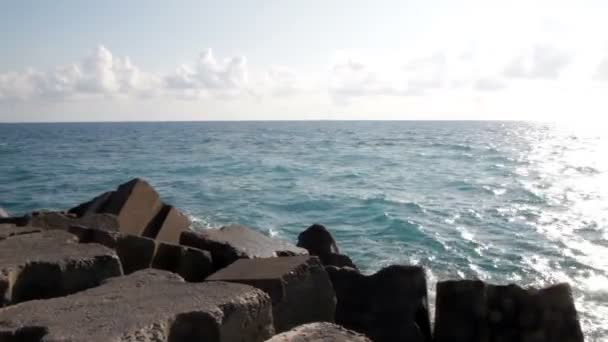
247 60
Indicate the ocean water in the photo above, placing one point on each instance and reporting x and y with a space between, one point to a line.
505 202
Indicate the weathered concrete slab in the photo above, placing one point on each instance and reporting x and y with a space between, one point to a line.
319 332
167 225
319 241
93 206
139 211
51 264
58 220
468 310
230 243
190 263
390 305
9 230
299 287
136 204
135 252
150 305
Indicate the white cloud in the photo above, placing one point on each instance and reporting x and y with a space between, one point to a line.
601 74
99 74
210 77
540 62
489 84
396 75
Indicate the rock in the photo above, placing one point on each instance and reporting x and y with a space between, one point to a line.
298 286
51 264
190 263
4 213
135 252
230 243
93 206
139 211
319 332
167 225
9 230
58 220
318 241
460 311
135 203
474 311
150 305
390 305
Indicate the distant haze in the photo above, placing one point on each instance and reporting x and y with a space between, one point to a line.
299 60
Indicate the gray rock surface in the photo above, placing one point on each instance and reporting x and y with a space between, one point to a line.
190 263
472 311
10 230
57 220
299 287
390 305
233 242
147 306
51 264
319 332
135 252
139 211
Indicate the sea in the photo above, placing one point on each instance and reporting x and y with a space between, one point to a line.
504 202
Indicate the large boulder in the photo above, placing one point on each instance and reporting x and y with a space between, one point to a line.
59 220
319 242
319 332
470 310
298 286
51 264
137 253
390 305
233 242
139 211
190 263
150 305
4 213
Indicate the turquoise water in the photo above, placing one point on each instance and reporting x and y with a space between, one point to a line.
500 201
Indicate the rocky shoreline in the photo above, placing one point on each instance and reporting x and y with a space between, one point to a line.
125 266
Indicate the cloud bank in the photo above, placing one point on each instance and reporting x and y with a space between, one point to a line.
101 74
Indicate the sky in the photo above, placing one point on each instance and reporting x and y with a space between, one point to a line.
303 60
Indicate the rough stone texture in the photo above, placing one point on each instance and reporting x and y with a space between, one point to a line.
91 207
468 310
319 332
135 252
390 305
298 286
318 241
168 224
9 230
190 263
139 211
58 220
136 204
230 243
150 305
4 213
51 264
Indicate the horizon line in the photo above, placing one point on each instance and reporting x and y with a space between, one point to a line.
272 120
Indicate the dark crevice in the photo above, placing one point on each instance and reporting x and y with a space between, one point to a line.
153 228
